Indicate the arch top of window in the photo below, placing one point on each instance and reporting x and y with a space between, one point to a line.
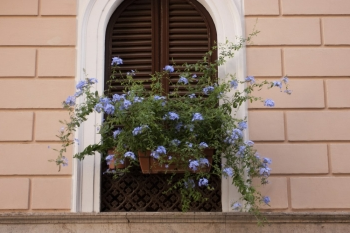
150 34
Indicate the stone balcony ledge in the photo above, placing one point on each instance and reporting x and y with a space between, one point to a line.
171 217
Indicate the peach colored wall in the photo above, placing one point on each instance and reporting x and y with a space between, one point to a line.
37 60
307 134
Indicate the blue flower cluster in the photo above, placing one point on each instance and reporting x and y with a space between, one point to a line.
234 84
139 130
105 105
208 90
250 79
183 80
117 61
234 136
70 100
159 151
130 154
203 182
265 170
171 116
192 96
228 171
169 68
269 103
116 133
197 117
195 164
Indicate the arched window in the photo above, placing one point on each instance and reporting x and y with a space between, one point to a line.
147 35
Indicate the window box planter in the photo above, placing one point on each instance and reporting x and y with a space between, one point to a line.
150 165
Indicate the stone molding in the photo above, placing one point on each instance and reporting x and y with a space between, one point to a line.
166 217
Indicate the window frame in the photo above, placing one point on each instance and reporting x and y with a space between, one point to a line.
93 17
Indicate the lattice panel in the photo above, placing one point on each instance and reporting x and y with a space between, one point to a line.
138 192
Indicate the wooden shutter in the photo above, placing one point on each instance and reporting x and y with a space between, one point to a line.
148 34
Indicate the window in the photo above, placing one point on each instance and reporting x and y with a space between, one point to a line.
147 35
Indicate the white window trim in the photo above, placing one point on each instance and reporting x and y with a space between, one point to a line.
93 17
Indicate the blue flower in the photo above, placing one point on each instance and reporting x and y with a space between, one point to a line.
117 97
203 145
109 158
117 60
126 104
92 80
203 182
208 90
228 171
117 132
157 97
169 68
267 160
192 96
64 161
175 142
257 155
137 130
236 206
250 79
285 79
269 103
197 117
130 155
193 165
288 91
183 80
170 158
189 184
78 93
70 100
249 143
132 73
172 116
242 125
109 109
265 171
234 84
235 135
81 84
161 150
204 161
241 151
98 107
105 100
277 84
138 99
266 199
189 144
194 76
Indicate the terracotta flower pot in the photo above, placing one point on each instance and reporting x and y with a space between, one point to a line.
150 165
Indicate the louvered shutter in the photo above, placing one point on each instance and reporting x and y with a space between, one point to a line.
148 34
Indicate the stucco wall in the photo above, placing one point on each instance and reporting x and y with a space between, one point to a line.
307 134
37 60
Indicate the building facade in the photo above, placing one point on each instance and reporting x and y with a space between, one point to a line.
46 44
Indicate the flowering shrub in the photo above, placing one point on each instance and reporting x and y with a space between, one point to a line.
176 128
